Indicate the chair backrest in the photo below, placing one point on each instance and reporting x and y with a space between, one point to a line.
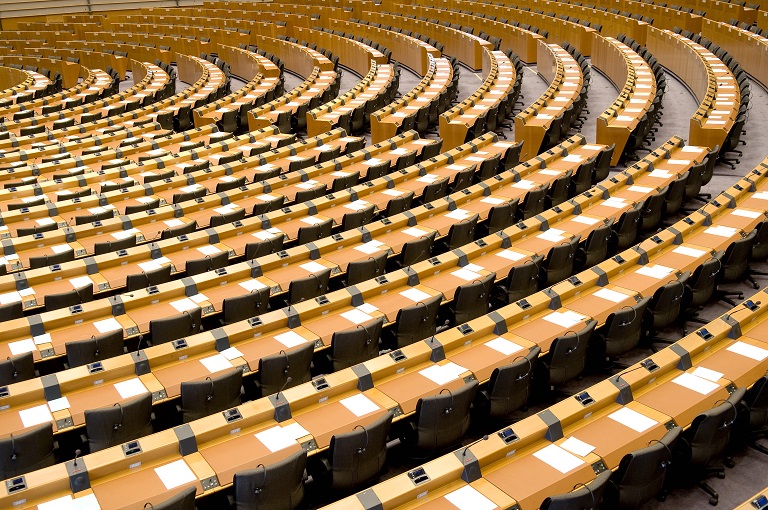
69 298
302 289
627 227
51 259
760 246
641 473
361 270
278 486
312 233
207 263
416 322
569 355
357 218
701 284
710 432
352 346
184 500
17 368
510 386
666 302
119 423
558 265
239 308
187 228
96 348
399 204
523 280
11 311
673 201
443 419
650 214
146 279
595 248
168 329
502 216
113 246
586 496
623 328
31 450
736 259
472 300
265 247
417 250
358 456
275 369
462 233
211 395
533 203
756 400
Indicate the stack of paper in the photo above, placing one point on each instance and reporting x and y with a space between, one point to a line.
695 383
442 374
415 295
558 458
566 319
503 346
655 271
290 339
278 438
359 405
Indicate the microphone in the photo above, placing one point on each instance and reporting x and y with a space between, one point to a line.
209 397
150 505
530 368
288 381
77 454
191 319
448 409
13 448
464 453
13 366
360 451
258 490
664 463
138 346
287 362
119 424
594 504
618 376
627 323
746 306
369 340
727 424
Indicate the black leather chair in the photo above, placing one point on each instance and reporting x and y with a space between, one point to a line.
441 420
11 311
352 346
642 474
278 486
471 300
500 217
171 233
357 457
666 302
96 348
533 203
508 388
735 267
625 230
265 247
31 450
178 326
358 218
361 270
417 322
239 308
184 500
650 214
415 251
594 250
583 496
113 246
207 263
302 289
69 298
17 368
276 369
623 329
567 356
211 395
756 404
143 280
558 264
706 440
699 288
312 233
521 282
460 233
49 260
119 423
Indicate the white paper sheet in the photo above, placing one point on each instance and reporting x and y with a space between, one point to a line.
182 305
10 297
510 255
469 498
278 438
655 271
745 213
175 474
577 447
415 232
553 234
45 338
58 404
524 184
208 249
369 247
442 374
61 248
393 192
231 353
290 339
357 205
367 308
709 375
313 267
566 319
503 346
558 458
88 502
611 295
173 223
216 363
359 405
265 234
415 295
311 220
492 200
689 252
458 214
466 275
632 419
131 388
149 266
721 231
640 189
573 158
35 415
615 203
251 285
586 220
750 351
22 346
694 383
356 316
199 298
63 503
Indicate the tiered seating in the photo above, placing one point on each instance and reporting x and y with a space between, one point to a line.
19 86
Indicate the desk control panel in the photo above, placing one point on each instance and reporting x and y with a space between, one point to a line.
418 476
508 435
761 502
131 448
